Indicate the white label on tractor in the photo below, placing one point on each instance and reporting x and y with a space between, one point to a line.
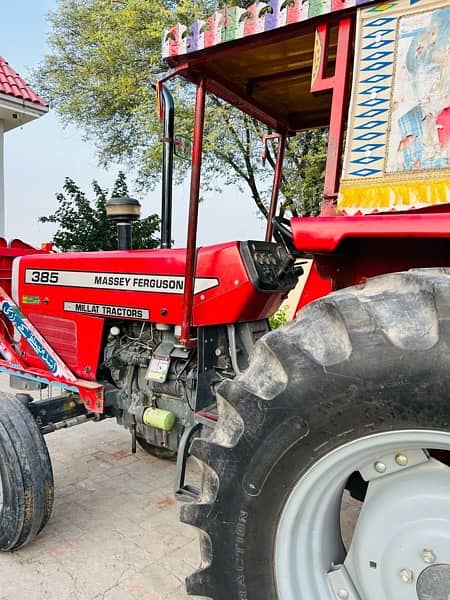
158 369
105 310
132 282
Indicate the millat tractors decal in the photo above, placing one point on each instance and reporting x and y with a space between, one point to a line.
132 282
105 310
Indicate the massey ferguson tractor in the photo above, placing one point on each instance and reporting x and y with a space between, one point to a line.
352 399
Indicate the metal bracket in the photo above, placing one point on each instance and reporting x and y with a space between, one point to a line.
342 585
183 491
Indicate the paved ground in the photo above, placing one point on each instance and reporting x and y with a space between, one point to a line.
114 533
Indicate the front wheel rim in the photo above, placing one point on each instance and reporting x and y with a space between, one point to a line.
310 560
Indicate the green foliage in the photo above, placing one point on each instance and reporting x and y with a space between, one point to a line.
82 223
104 57
279 318
304 172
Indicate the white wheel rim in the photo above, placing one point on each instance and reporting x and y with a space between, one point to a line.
310 560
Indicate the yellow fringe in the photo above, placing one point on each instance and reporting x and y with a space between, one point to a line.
395 196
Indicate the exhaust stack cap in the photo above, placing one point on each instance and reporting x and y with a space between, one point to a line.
123 209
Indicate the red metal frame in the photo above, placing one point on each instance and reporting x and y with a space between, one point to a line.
338 83
276 180
348 250
324 235
191 245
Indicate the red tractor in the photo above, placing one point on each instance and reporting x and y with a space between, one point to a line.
351 398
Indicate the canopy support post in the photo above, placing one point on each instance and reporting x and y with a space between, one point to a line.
276 184
191 245
338 83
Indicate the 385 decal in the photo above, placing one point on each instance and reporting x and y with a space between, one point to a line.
42 276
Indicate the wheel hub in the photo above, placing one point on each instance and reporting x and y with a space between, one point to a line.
402 527
434 583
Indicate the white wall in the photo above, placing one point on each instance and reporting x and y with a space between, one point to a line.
2 182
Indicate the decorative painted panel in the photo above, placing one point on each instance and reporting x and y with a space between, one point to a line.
233 23
398 140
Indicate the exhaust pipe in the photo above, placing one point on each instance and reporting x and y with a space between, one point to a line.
123 211
168 112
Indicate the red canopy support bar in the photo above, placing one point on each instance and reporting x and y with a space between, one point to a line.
338 83
191 245
276 183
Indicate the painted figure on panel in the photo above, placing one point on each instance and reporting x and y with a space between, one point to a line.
420 122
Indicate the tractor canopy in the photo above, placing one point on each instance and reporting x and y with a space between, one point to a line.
262 59
376 71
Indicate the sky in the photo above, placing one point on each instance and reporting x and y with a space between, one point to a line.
40 154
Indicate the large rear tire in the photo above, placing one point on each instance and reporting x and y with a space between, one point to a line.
26 477
359 384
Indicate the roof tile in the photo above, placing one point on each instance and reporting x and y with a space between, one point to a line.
12 84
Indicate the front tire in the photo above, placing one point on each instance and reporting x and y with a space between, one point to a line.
26 477
358 384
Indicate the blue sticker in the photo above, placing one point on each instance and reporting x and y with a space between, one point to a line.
13 314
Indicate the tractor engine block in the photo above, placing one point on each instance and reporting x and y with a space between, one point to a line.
152 375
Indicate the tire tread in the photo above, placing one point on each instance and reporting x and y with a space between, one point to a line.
328 333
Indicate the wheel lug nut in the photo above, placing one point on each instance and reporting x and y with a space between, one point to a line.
342 594
428 556
401 459
379 467
406 575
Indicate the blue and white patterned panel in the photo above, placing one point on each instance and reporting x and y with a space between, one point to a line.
372 99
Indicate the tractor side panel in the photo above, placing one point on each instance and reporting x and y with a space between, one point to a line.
348 250
357 259
68 297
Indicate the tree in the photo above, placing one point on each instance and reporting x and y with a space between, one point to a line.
105 55
82 224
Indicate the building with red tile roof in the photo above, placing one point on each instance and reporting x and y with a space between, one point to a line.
12 84
19 104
